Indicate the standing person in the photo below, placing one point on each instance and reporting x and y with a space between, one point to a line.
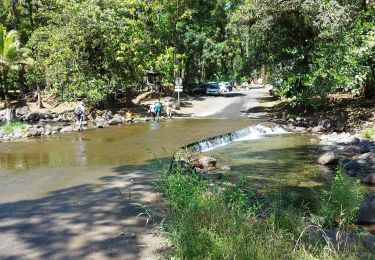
152 111
158 110
79 112
169 109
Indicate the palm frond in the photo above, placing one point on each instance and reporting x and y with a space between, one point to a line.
6 3
2 39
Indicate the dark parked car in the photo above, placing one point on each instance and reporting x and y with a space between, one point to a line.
201 90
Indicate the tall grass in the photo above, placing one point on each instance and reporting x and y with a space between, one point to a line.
12 127
213 221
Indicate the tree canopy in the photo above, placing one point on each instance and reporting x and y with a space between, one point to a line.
96 48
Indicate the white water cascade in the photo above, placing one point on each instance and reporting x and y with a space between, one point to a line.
249 133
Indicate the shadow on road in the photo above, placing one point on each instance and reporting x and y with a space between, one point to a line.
85 221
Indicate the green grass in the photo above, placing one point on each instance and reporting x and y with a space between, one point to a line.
12 127
214 221
368 133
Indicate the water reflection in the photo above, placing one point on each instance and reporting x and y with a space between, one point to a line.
81 151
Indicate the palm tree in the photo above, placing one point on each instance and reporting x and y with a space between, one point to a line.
11 57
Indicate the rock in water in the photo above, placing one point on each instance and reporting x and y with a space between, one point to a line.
328 158
367 211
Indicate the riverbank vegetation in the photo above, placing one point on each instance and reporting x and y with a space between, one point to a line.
13 127
212 220
101 50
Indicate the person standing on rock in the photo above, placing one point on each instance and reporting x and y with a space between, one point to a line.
79 112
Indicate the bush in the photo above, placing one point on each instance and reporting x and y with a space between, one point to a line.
368 133
339 204
12 127
216 221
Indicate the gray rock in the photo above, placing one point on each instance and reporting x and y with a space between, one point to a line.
33 117
364 148
225 168
116 120
367 211
66 129
34 131
17 135
301 129
210 176
369 242
56 128
367 156
352 168
206 162
369 179
47 128
22 111
330 157
352 149
317 129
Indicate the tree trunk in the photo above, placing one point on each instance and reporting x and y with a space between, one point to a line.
14 14
39 102
21 79
128 97
31 20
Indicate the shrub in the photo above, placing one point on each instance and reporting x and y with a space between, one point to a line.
339 204
368 133
12 127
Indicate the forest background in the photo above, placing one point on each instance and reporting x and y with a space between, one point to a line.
97 49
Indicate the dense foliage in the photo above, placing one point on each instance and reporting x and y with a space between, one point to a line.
215 221
99 48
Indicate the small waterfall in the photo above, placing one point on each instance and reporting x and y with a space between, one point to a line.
248 133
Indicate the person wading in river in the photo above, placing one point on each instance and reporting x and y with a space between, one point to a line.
79 112
169 109
158 110
152 111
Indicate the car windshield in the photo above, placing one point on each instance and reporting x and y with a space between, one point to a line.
214 85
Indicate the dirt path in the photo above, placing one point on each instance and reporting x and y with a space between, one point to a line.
230 105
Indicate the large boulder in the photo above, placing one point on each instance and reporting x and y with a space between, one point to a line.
22 111
369 179
367 211
328 158
366 156
352 168
33 116
116 120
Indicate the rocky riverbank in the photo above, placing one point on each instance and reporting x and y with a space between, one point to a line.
33 124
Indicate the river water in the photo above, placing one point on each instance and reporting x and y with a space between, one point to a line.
33 168
275 161
59 195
